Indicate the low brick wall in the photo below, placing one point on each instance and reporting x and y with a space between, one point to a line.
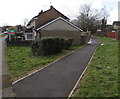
18 43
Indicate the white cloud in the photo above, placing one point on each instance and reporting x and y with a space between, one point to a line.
97 4
14 11
113 16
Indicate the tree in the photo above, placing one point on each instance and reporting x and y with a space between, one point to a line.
25 22
19 28
103 25
89 19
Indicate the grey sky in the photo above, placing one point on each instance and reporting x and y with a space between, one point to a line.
13 12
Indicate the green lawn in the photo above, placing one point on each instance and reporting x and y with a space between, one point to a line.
101 77
21 62
3 35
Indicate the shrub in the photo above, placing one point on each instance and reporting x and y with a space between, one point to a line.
68 43
50 45
36 47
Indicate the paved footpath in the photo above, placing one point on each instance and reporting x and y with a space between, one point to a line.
58 79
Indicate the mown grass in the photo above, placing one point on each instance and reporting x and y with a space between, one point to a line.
101 77
21 62
3 35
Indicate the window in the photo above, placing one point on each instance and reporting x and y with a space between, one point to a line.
29 37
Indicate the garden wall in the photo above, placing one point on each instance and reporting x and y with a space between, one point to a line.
18 43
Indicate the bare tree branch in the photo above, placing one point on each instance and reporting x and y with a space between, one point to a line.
90 19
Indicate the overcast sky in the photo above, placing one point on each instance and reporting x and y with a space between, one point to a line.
13 12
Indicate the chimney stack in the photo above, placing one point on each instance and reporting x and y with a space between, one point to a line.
51 7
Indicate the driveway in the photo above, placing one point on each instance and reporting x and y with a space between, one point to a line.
58 79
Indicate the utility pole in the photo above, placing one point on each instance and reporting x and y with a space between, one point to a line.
6 89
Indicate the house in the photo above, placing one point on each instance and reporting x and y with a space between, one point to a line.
113 33
41 19
28 34
60 27
0 30
45 17
52 23
116 25
5 28
109 28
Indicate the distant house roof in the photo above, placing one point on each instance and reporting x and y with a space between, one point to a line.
60 18
0 29
116 23
51 7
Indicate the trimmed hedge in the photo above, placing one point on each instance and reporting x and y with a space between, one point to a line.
50 45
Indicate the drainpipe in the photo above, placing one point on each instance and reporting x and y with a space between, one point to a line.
39 34
34 34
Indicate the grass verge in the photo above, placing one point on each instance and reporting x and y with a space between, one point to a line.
21 62
3 35
101 77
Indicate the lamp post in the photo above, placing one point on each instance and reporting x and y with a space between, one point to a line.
6 89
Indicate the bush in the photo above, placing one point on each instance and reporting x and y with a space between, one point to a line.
68 43
36 47
50 45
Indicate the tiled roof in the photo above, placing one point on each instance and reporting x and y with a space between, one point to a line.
51 7
116 23
56 20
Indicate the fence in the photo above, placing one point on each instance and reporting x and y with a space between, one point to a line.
112 34
18 43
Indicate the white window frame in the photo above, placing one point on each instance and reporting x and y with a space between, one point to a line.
26 36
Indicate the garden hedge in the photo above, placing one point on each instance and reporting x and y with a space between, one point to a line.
50 45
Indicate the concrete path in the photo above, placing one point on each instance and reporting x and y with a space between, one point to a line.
58 79
5 80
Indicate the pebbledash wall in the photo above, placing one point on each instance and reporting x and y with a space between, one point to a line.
62 33
60 28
